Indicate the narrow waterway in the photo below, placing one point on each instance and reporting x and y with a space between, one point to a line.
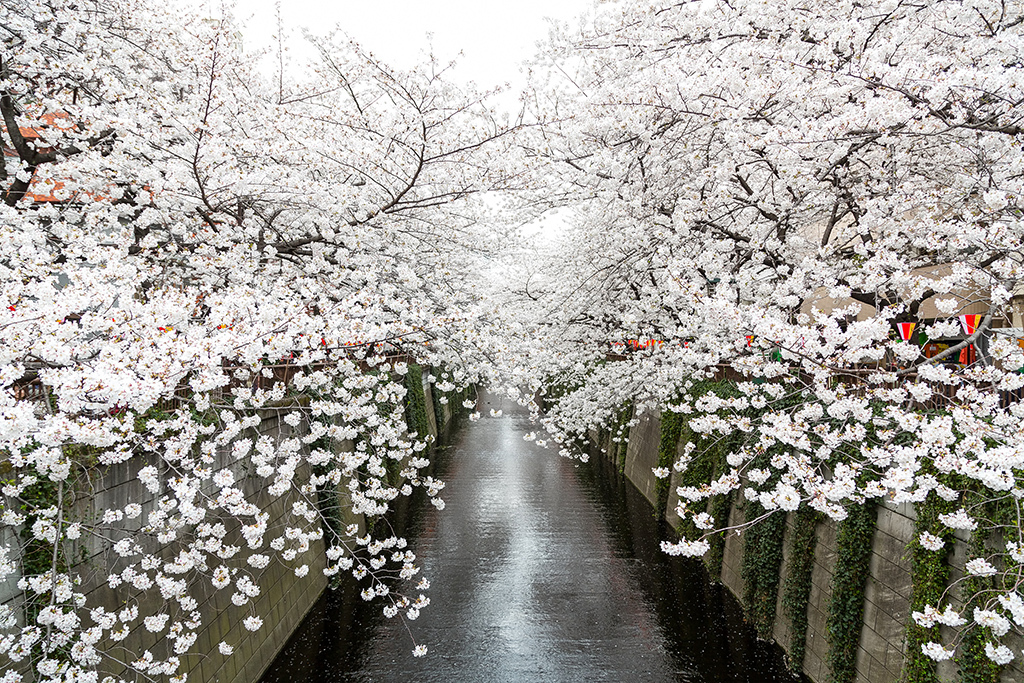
542 569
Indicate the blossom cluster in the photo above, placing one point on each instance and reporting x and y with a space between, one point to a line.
213 290
748 182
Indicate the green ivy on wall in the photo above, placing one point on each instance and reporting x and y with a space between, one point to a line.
973 663
455 397
416 402
328 500
37 556
762 563
668 444
796 592
854 537
435 399
762 554
708 462
621 431
929 573
718 508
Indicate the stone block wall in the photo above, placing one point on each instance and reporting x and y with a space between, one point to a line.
282 603
886 600
887 595
642 455
732 558
428 393
438 419
881 648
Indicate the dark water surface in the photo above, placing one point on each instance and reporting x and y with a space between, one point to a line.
542 569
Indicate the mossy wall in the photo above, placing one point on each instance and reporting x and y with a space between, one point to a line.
809 571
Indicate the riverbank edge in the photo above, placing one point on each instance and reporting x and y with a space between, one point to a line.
885 595
424 410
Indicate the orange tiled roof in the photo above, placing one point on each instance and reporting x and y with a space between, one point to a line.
47 190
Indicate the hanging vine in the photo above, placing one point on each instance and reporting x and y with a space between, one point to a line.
796 592
974 664
446 397
929 571
37 555
762 562
762 557
854 537
416 402
707 464
668 445
718 508
439 406
620 436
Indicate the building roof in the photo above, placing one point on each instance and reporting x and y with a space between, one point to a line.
43 190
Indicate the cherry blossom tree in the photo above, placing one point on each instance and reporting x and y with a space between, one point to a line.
766 190
188 247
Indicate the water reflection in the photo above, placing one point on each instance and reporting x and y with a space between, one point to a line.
543 570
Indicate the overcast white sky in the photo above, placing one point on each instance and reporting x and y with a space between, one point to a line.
494 37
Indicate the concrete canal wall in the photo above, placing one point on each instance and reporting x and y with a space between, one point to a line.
284 598
880 652
282 603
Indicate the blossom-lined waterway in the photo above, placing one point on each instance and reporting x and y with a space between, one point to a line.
543 569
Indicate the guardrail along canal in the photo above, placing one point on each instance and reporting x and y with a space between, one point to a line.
542 569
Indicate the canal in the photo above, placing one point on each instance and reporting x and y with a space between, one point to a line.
542 569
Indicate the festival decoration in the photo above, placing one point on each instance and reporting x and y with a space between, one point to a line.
969 323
